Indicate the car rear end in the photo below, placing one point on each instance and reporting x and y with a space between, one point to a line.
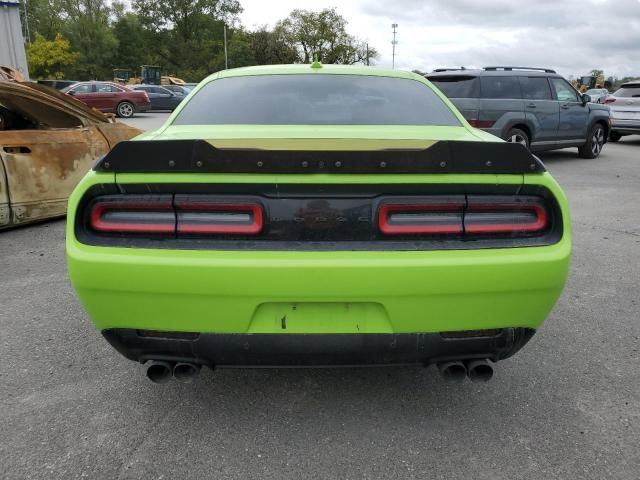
316 245
462 88
139 98
489 100
625 110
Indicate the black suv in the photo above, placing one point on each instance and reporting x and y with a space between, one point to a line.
532 106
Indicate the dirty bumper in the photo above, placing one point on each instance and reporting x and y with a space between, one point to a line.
306 350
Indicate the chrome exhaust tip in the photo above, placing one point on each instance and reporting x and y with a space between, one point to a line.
479 370
158 371
453 371
186 372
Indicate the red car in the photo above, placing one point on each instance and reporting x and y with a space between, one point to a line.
110 97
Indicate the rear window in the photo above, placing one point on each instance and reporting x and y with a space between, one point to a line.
535 88
500 87
315 99
458 86
629 91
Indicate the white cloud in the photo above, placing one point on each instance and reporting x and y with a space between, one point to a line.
573 36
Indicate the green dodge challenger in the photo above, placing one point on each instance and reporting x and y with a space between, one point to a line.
317 215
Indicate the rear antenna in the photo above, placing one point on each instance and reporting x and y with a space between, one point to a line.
316 63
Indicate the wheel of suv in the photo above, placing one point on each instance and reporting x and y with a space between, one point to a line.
614 137
516 135
125 110
595 141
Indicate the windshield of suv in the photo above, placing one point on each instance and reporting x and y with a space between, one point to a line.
458 86
629 91
316 99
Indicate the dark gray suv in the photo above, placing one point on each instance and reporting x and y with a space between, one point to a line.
532 106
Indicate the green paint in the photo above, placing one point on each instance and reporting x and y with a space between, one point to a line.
332 292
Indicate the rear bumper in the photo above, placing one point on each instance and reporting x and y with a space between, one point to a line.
626 128
143 107
305 350
319 292
365 299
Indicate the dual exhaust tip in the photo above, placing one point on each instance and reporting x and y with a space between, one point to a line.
457 371
159 371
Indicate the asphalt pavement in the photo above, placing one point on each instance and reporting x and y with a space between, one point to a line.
566 407
147 121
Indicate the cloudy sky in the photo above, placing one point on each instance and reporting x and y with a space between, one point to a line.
573 36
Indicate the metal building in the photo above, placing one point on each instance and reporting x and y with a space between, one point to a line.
12 52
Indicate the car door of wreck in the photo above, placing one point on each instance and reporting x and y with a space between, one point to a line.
47 153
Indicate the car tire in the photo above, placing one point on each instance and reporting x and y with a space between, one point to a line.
595 141
125 110
614 137
516 135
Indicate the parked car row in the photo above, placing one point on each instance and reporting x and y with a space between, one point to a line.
598 95
625 110
535 107
126 101
162 97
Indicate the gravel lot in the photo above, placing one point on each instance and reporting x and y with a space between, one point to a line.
566 407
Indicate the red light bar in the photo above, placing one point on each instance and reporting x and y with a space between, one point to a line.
505 218
133 217
481 123
430 218
219 218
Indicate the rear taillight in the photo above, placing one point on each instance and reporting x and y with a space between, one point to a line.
481 123
434 218
609 100
219 218
475 216
161 214
133 217
487 218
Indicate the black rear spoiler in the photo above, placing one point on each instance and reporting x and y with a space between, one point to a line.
190 156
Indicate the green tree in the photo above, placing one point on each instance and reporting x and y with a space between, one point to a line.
596 72
239 49
324 34
49 58
44 17
271 47
184 17
87 27
188 34
134 43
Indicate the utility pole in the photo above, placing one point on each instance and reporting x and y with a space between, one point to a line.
27 35
226 61
394 43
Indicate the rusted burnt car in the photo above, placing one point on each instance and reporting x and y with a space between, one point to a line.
48 141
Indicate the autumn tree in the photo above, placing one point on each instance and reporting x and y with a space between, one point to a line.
49 58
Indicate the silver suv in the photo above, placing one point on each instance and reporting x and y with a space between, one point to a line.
535 107
625 110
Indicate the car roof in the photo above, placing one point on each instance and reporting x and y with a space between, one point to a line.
633 84
493 72
323 69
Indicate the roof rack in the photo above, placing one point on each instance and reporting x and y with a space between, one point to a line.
546 70
448 69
